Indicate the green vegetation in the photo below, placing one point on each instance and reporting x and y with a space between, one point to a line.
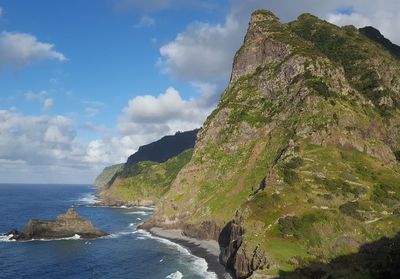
104 179
311 130
351 209
149 180
300 227
397 155
386 194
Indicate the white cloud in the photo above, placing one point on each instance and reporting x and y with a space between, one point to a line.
45 149
203 52
165 113
92 112
36 139
349 19
145 21
18 50
32 96
48 103
42 97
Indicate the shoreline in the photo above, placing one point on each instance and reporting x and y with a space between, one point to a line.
206 249
209 250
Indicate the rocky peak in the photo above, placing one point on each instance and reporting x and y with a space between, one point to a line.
71 214
259 46
263 16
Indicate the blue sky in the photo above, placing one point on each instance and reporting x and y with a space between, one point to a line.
84 83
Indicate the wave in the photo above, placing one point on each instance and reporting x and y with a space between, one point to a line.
145 208
175 275
137 212
199 265
87 199
7 238
117 235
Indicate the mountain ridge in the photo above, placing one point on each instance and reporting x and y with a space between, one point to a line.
298 161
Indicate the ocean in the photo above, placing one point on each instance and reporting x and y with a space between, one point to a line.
125 253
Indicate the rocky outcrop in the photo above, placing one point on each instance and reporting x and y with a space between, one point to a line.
66 225
207 230
237 255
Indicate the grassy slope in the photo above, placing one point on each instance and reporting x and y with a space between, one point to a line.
316 194
106 175
150 180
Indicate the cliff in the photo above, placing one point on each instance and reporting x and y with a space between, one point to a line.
147 183
300 160
164 149
104 178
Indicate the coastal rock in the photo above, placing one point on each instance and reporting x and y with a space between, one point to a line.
66 225
207 230
238 255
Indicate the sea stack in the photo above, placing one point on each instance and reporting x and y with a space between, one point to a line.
66 225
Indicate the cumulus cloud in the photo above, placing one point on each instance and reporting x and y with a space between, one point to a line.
42 97
36 139
145 21
18 50
349 19
154 116
32 96
45 149
203 52
48 103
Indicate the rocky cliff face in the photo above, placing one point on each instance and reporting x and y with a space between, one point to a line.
108 173
301 153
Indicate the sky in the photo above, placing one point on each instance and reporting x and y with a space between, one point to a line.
84 83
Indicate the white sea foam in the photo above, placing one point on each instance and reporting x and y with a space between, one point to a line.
137 213
117 235
132 224
175 275
75 237
145 208
139 219
87 199
199 265
6 238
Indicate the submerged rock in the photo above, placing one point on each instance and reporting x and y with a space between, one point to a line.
66 225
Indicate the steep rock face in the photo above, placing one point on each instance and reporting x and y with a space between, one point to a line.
66 225
376 36
104 178
164 149
304 144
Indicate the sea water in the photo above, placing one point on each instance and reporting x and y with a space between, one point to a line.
126 253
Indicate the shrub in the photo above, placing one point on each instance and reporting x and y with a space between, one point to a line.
339 186
351 209
294 163
397 154
290 176
300 227
386 194
319 87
